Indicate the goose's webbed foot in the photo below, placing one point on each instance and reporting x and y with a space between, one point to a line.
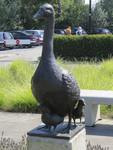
44 128
74 125
67 129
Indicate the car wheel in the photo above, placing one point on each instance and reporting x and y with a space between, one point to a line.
23 46
11 47
2 47
29 46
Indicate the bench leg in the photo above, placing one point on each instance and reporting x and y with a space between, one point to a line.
92 114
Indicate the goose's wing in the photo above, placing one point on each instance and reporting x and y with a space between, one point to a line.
71 85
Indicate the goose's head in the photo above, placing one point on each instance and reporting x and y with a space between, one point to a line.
82 102
45 11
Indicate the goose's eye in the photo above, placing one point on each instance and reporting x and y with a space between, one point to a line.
48 10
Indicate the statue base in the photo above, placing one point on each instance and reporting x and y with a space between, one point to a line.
49 140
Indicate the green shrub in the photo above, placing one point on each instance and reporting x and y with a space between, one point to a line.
90 46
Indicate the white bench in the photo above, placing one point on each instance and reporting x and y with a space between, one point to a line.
93 99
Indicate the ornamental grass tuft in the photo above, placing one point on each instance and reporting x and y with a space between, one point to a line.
15 89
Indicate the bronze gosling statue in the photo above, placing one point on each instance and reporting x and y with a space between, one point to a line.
49 118
78 111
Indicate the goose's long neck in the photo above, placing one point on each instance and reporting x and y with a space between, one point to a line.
48 37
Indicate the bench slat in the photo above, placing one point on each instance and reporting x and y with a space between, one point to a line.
97 97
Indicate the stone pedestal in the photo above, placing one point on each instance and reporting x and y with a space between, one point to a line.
49 140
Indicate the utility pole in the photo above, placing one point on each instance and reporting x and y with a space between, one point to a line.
89 16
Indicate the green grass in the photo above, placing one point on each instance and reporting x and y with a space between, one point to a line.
93 76
15 87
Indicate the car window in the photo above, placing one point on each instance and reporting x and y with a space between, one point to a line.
7 36
72 30
36 32
106 30
29 32
41 33
1 36
23 33
15 33
11 36
55 31
97 30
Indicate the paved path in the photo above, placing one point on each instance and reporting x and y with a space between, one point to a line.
29 54
15 125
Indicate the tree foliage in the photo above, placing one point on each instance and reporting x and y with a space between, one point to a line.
17 15
99 17
10 15
107 5
73 14
67 13
29 8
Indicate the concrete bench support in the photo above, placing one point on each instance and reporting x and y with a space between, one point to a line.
92 114
93 99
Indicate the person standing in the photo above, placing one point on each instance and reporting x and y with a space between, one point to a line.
68 30
79 31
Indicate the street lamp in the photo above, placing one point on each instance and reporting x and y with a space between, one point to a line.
89 16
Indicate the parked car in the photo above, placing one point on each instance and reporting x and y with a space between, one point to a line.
59 32
74 30
38 34
21 35
100 31
4 36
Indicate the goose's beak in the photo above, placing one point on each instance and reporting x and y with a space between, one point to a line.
39 14
36 16
84 104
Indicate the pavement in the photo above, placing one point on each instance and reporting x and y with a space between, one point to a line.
28 54
15 125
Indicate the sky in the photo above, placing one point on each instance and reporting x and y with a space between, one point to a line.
92 1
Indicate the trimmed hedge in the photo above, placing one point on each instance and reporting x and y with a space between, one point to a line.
89 46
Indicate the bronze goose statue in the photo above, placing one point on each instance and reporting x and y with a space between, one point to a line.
53 86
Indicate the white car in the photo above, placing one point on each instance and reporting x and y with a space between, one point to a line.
5 36
38 34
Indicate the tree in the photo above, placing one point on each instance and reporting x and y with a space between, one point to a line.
107 6
10 15
67 13
84 17
99 17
